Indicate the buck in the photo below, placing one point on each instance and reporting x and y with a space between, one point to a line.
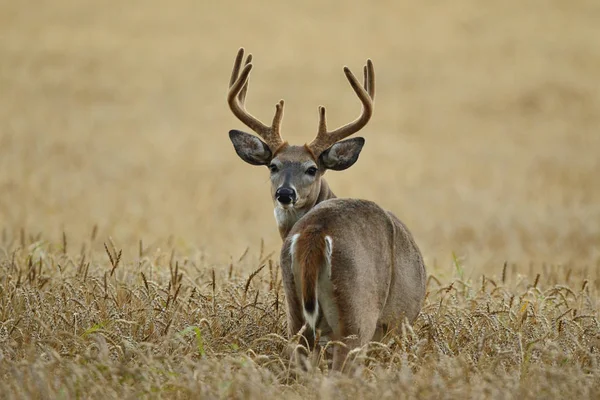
350 269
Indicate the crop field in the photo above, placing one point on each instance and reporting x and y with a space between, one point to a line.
139 256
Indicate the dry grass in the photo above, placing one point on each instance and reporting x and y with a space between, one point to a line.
484 141
97 325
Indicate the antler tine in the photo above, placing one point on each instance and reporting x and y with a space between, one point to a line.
366 94
235 73
238 87
276 126
369 79
242 95
365 78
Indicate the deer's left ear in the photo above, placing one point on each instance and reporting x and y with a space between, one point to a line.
343 154
250 148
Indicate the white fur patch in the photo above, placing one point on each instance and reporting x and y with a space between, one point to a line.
285 217
278 212
328 253
293 249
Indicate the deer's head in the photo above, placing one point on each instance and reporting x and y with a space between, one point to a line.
296 171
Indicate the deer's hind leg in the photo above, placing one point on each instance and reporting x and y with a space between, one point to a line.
357 328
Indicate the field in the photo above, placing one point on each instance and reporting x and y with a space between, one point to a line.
139 255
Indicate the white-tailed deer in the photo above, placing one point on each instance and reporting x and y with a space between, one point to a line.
350 269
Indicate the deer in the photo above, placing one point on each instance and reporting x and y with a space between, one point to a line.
351 270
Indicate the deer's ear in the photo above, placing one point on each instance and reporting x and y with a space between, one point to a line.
250 148
343 154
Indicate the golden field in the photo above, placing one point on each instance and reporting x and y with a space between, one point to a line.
113 131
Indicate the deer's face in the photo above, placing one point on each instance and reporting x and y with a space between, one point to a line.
295 172
295 177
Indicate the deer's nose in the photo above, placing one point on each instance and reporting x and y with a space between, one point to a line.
285 195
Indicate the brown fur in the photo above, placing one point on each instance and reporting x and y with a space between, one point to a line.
310 254
282 147
312 154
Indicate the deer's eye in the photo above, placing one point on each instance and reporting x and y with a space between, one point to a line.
312 171
273 168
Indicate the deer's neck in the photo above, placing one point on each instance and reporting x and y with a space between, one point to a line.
286 219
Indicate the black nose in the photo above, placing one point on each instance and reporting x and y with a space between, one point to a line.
285 195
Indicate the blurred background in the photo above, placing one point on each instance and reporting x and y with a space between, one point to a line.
485 138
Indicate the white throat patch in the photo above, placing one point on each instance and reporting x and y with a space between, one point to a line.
286 217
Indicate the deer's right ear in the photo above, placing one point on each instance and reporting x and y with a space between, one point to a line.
343 154
250 148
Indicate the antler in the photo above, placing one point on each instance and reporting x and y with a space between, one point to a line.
238 86
366 94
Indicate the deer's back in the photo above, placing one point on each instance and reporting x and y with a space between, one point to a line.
374 258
